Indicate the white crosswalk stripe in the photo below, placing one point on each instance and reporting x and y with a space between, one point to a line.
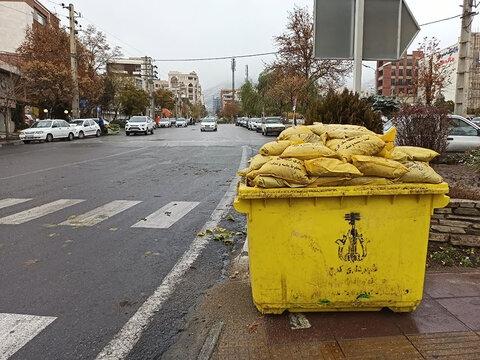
101 213
16 330
38 212
167 215
11 201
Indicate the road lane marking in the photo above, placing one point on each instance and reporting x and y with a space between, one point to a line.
73 164
11 201
38 212
124 341
16 330
101 213
167 215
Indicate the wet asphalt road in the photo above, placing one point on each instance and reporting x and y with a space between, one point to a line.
81 284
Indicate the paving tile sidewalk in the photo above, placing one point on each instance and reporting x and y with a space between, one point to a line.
445 326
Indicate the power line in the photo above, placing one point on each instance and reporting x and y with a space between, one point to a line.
217 58
441 20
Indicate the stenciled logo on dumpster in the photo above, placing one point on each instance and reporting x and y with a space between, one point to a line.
352 246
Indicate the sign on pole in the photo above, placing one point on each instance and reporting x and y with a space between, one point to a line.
389 29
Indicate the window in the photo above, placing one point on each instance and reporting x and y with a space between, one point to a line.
461 128
409 72
39 17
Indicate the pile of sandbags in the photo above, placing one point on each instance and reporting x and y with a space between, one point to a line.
338 155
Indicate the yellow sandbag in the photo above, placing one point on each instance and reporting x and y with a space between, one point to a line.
274 148
362 145
328 181
308 151
387 151
294 130
269 182
368 181
291 170
412 153
390 136
256 163
379 167
306 138
318 129
338 131
420 172
326 167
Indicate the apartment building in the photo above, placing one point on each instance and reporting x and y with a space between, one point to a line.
186 85
395 78
16 17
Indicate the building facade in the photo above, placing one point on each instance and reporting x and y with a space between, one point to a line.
129 68
226 96
395 78
186 86
17 16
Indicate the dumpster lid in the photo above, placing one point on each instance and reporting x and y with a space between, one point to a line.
245 192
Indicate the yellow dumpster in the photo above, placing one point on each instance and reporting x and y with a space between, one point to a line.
352 248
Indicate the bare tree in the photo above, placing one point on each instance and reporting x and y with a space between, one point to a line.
97 45
431 75
296 53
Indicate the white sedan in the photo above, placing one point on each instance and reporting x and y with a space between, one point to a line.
85 127
47 130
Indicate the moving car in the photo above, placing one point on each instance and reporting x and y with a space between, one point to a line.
48 130
272 125
181 122
164 123
208 124
85 127
139 124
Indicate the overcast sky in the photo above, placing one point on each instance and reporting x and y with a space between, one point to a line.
210 28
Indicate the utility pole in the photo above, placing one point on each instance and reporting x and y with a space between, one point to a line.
148 75
464 59
246 73
74 62
234 67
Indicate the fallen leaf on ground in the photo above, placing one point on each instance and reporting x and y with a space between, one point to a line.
252 328
31 262
113 229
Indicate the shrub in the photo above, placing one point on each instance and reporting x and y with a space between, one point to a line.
424 126
345 108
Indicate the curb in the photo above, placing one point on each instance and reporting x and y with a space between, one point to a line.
11 143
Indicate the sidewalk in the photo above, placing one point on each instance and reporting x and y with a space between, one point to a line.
445 326
4 143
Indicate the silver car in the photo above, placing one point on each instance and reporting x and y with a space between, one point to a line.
464 134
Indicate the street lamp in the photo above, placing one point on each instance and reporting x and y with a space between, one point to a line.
66 114
45 111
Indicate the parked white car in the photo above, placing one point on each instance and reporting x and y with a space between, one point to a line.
164 123
272 125
181 122
85 127
47 130
139 124
208 124
464 135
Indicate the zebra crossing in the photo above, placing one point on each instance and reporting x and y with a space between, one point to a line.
163 218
